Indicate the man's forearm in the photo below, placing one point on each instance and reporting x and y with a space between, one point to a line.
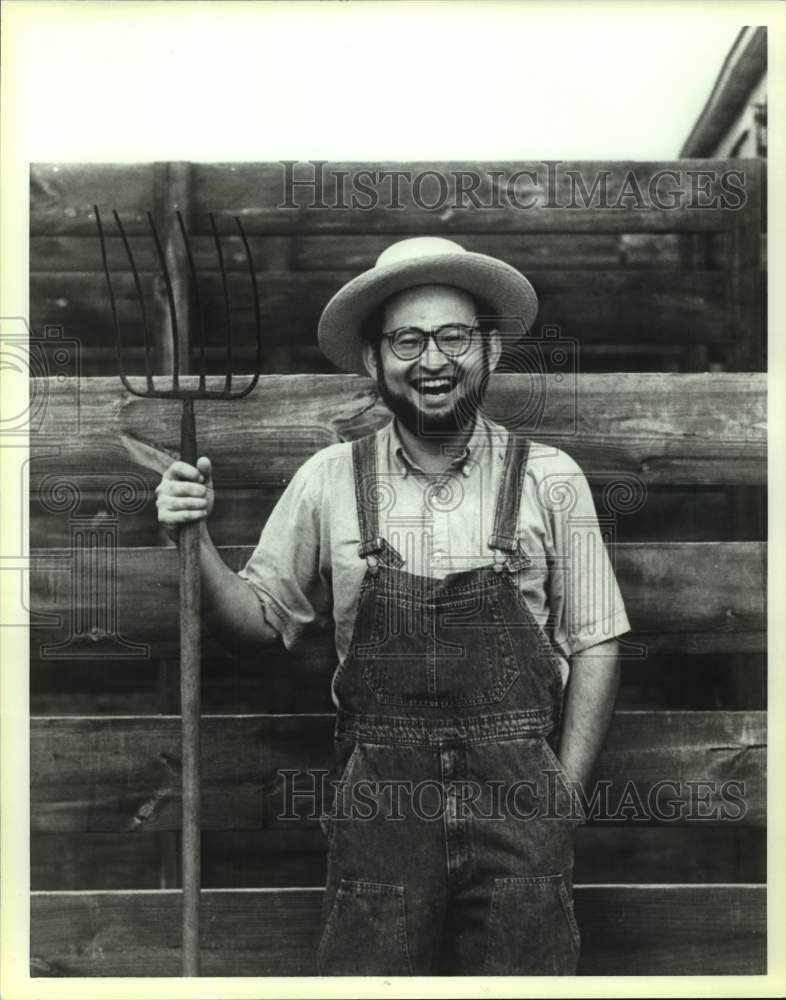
230 608
589 704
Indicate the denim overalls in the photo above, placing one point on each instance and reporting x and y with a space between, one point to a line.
451 826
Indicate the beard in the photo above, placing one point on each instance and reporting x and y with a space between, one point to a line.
470 390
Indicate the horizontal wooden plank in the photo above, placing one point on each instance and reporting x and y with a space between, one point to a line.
657 854
289 683
691 429
593 306
604 854
692 514
230 859
122 774
626 930
77 861
300 359
685 681
234 859
62 196
712 593
269 253
573 251
257 190
296 683
645 570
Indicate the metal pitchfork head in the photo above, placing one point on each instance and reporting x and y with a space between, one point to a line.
176 391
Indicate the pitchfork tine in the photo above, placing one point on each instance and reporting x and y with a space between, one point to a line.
257 322
227 306
197 302
171 299
140 296
112 302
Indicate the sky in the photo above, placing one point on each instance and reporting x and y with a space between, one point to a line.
234 81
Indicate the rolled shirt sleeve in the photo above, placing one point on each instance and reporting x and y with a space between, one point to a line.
289 569
585 599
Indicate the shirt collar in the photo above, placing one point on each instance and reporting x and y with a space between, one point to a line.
479 438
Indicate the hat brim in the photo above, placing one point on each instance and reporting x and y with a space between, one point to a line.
504 289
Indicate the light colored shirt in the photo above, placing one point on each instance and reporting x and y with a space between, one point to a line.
307 573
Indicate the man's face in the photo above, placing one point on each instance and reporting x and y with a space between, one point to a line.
433 395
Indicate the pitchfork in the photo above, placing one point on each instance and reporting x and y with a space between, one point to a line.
188 541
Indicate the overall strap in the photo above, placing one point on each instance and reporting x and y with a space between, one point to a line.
504 538
368 501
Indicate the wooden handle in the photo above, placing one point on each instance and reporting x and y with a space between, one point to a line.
190 652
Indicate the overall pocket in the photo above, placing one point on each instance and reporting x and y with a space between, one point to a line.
366 932
335 806
532 928
569 803
450 652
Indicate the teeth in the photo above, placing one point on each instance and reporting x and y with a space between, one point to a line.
438 383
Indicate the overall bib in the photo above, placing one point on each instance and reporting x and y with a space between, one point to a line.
451 827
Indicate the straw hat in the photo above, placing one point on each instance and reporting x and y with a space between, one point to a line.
424 260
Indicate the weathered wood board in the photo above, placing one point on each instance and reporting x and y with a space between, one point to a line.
107 774
701 596
235 859
701 429
626 930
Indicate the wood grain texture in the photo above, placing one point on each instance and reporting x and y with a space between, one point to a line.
292 683
305 359
704 595
684 514
171 334
235 859
746 231
698 429
67 254
626 930
106 774
668 252
595 307
75 861
62 196
259 189
683 274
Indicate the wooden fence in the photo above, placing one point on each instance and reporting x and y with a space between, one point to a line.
679 896
114 779
640 287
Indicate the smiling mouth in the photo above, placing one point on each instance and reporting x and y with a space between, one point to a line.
435 388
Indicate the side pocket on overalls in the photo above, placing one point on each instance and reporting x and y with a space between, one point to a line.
532 928
366 932
334 806
570 804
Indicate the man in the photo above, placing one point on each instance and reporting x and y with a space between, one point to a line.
458 588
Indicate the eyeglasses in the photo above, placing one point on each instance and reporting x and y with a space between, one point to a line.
409 342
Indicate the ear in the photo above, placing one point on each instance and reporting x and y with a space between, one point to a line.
495 348
370 359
